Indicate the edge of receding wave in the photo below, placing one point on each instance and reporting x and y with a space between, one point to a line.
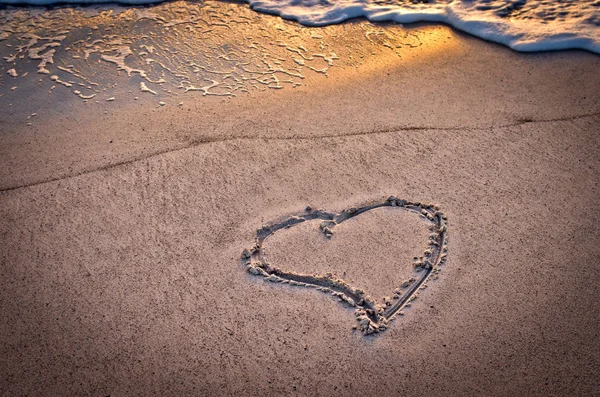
493 31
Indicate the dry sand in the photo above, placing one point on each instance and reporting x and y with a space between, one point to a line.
120 261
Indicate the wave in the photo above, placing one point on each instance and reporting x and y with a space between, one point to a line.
523 25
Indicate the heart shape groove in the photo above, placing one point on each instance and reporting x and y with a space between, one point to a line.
372 317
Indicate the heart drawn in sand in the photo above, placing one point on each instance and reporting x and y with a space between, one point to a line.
372 317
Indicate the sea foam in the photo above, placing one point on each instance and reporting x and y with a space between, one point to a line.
523 25
519 24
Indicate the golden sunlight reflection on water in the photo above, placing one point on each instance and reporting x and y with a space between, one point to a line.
177 48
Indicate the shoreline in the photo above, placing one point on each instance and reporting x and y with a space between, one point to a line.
438 91
491 27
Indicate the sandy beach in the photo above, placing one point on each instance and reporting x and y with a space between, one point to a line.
122 230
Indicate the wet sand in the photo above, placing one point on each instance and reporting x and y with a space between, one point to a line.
120 261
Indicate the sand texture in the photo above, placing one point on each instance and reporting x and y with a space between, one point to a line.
120 262
343 232
387 238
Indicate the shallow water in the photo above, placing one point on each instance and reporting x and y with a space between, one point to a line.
163 53
523 25
166 52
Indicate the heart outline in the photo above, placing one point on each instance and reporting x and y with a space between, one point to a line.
372 318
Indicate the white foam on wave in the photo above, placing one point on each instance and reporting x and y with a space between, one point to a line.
523 25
